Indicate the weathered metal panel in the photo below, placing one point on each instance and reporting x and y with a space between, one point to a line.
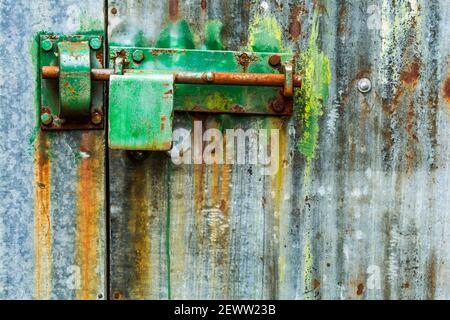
52 216
360 209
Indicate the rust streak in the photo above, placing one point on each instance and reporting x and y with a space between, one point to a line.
173 10
89 207
294 24
446 90
139 223
42 254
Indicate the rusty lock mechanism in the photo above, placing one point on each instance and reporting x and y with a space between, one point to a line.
147 85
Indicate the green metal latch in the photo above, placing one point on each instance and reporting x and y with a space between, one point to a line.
147 85
69 98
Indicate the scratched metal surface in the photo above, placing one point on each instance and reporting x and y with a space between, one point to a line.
52 216
364 215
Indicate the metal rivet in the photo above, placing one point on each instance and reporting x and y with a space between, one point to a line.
364 85
47 45
46 118
95 43
96 118
138 55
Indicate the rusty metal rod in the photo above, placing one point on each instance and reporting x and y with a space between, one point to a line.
221 78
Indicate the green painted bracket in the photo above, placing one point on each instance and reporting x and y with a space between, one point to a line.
71 101
210 98
140 112
74 79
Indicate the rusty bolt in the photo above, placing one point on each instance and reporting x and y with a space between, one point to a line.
114 10
138 55
95 43
47 45
364 85
275 60
96 118
278 104
46 118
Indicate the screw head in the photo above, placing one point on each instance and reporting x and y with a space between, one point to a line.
138 55
46 118
47 45
275 60
364 85
95 43
96 118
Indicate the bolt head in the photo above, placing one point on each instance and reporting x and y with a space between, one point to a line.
364 85
138 55
46 118
47 45
96 118
275 60
95 43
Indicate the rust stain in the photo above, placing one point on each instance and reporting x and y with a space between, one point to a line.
295 27
411 74
43 235
406 285
432 276
411 138
446 91
203 4
163 122
360 289
173 10
89 210
316 284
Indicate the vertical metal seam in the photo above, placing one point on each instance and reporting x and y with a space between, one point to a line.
108 288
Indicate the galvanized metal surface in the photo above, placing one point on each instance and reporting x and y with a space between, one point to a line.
360 209
52 213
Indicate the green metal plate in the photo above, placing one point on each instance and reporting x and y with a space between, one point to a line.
211 98
140 112
50 93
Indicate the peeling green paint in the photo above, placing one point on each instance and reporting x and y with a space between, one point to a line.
216 101
213 35
264 34
315 69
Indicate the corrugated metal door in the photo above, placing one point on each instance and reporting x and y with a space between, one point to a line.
359 209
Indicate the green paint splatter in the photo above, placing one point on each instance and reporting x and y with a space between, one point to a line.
315 69
213 35
264 34
176 35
